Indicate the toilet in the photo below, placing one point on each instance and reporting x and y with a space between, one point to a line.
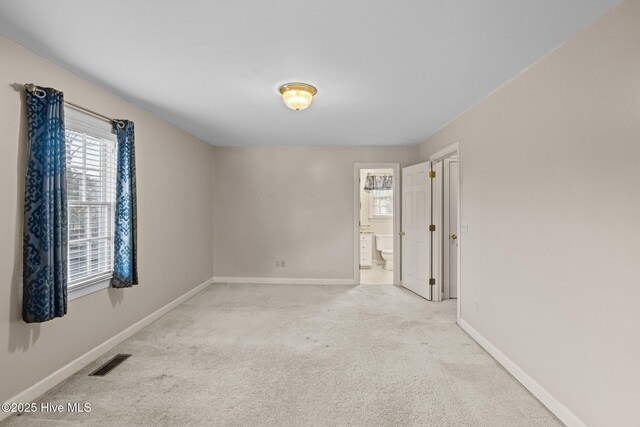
384 244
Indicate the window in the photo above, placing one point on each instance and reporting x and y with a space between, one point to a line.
381 203
91 177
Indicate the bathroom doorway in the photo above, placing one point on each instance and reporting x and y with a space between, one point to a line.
376 224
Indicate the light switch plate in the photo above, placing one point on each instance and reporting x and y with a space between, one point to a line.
465 227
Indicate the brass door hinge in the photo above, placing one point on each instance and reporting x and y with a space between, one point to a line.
432 174
432 281
432 227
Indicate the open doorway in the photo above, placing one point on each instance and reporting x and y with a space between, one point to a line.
446 216
376 224
450 185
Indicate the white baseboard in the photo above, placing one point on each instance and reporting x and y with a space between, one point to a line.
554 405
283 281
42 386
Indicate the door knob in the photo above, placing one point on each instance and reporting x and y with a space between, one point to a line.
402 233
454 236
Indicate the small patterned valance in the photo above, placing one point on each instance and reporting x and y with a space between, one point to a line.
378 182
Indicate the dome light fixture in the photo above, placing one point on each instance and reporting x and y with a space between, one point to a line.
297 96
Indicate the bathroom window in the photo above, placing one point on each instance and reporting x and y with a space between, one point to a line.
381 203
91 177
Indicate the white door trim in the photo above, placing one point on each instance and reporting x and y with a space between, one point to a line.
446 152
396 217
453 149
446 226
436 236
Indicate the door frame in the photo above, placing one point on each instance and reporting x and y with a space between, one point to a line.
446 203
396 217
451 150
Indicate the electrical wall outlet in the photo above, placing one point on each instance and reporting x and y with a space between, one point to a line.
283 264
277 263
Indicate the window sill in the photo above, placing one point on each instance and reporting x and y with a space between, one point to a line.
88 287
385 217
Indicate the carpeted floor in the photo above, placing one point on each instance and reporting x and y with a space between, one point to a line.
295 355
376 275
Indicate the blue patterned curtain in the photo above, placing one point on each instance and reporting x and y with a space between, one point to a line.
45 209
125 267
378 182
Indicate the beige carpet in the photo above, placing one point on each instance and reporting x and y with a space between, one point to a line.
296 355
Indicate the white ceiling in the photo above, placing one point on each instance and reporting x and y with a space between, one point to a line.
387 72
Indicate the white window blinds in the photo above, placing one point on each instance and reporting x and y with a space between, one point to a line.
91 176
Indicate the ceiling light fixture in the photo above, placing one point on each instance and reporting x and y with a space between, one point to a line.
297 96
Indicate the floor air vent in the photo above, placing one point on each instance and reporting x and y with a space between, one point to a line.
110 365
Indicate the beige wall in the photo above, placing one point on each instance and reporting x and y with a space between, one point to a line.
289 203
175 216
550 167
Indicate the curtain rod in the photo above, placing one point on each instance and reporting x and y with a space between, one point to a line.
30 87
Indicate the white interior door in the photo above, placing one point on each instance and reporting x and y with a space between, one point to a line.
416 218
450 233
